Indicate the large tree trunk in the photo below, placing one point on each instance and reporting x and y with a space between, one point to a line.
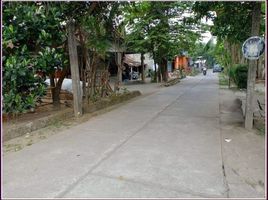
92 76
56 87
83 60
159 73
255 29
260 67
155 70
227 47
118 60
164 69
142 68
55 97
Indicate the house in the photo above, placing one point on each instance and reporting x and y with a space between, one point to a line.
182 62
133 67
200 62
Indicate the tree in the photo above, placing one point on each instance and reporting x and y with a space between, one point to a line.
232 30
21 88
160 29
36 31
35 40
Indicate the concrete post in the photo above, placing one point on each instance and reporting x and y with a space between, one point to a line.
255 29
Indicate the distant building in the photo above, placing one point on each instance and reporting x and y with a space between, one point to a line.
199 63
148 61
182 62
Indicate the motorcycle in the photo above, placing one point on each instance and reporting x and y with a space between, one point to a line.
135 75
204 71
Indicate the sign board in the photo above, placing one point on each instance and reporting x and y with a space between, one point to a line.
253 48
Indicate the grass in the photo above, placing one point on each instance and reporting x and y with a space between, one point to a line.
261 129
223 80
260 92
259 125
57 123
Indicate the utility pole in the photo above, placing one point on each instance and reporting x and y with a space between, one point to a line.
77 96
255 30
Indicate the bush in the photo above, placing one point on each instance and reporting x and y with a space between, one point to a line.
241 76
21 87
231 73
152 74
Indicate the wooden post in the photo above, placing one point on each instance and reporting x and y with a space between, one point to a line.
77 96
255 29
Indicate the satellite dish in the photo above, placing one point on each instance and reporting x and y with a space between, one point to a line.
253 48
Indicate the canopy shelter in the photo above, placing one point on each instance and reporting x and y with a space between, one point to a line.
132 67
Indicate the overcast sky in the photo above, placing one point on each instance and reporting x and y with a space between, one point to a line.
206 35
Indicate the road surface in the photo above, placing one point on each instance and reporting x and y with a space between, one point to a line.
164 144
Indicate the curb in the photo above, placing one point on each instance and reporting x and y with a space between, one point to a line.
171 82
18 130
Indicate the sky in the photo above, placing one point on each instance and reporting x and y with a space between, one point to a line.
207 36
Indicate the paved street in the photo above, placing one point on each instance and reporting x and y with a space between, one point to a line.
164 144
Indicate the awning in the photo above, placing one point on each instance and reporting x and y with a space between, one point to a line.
130 62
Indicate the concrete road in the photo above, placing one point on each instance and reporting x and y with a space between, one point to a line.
164 144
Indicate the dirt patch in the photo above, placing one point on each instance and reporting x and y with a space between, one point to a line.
42 110
29 122
28 139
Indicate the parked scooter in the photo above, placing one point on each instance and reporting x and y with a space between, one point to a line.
204 70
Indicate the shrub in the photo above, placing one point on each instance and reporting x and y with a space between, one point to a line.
231 73
21 87
152 74
240 76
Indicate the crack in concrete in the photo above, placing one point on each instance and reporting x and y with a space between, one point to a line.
150 184
225 182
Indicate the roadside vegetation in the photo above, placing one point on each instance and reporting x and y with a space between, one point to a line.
35 43
223 80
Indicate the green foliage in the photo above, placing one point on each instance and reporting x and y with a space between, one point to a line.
223 80
232 73
222 56
21 87
96 35
50 59
32 34
160 28
241 74
207 52
232 20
